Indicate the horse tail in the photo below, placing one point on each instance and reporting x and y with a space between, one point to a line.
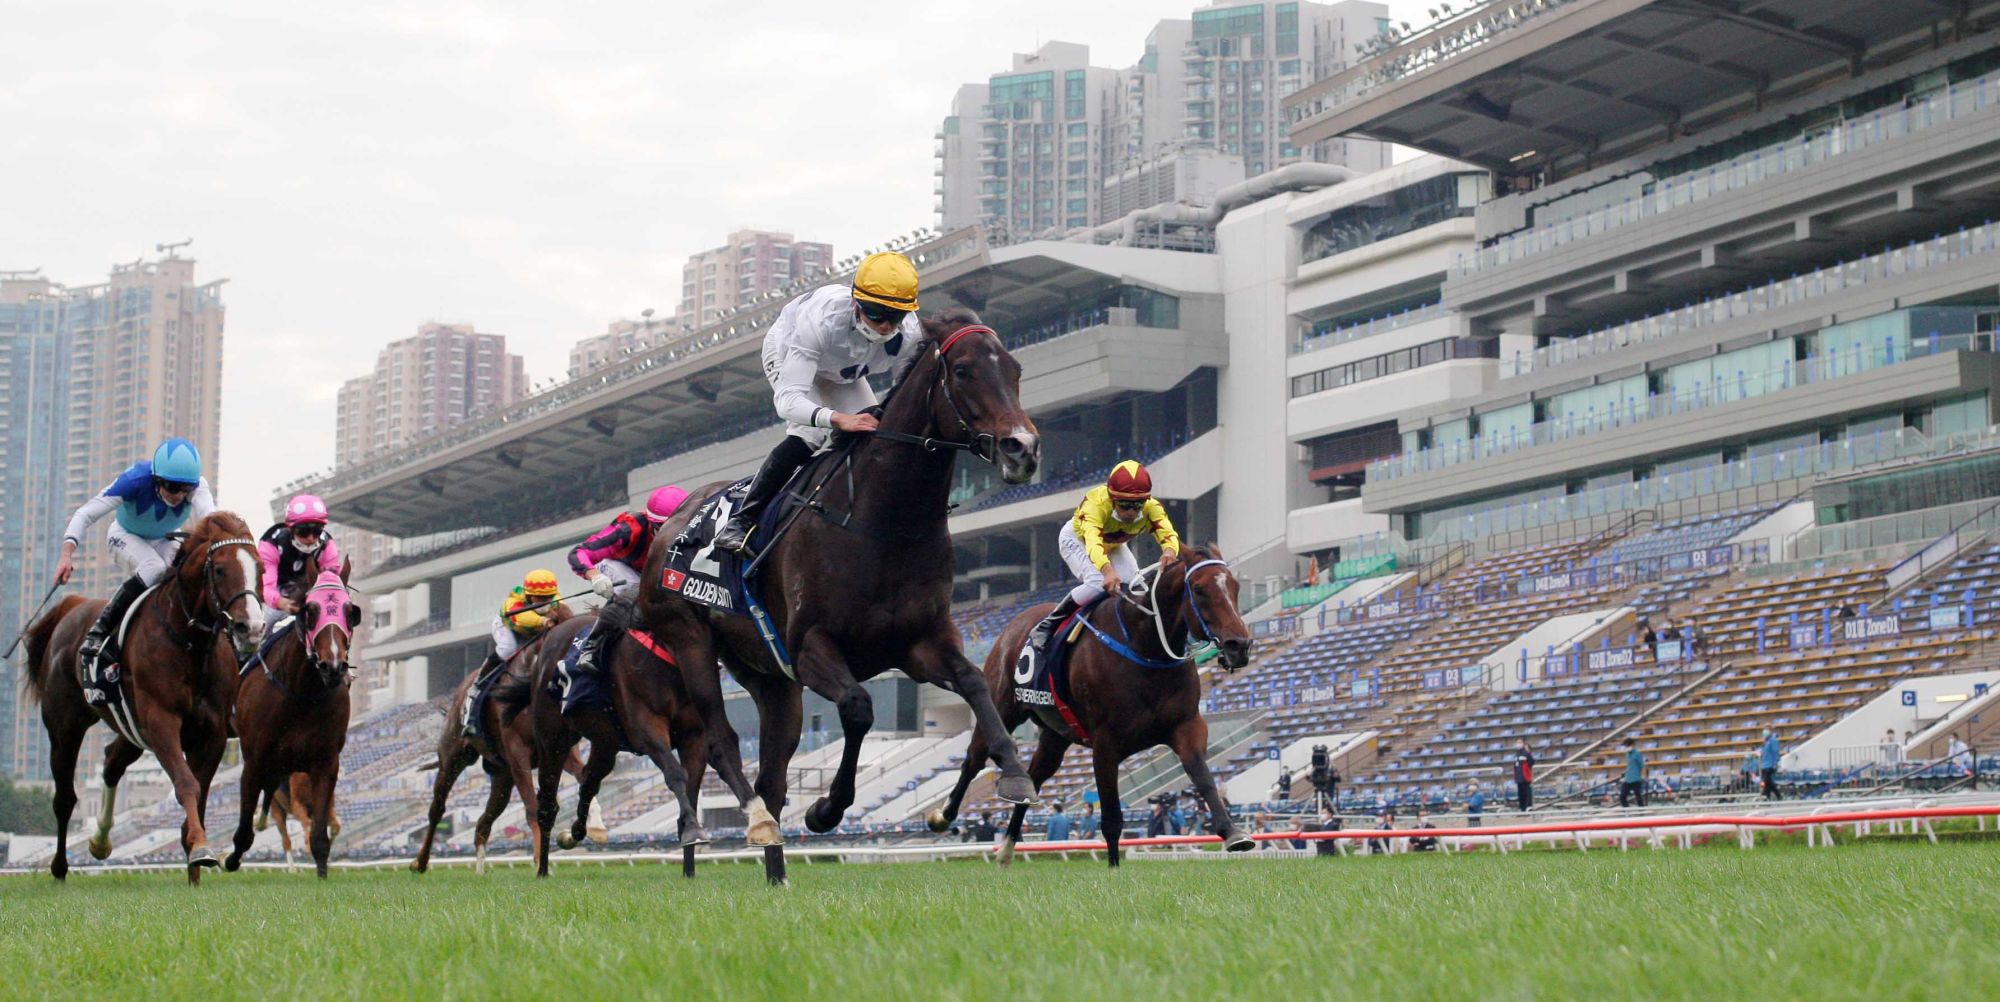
35 676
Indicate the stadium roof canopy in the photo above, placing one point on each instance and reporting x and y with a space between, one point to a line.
1564 85
576 442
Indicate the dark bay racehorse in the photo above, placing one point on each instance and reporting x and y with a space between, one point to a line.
650 711
292 709
505 748
178 683
861 582
1125 702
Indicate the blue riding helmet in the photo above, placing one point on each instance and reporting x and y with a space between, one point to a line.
177 461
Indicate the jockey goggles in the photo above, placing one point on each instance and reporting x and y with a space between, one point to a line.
173 486
311 530
876 313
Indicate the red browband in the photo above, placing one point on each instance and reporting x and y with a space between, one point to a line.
961 332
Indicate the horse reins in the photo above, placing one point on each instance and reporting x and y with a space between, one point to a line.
1152 610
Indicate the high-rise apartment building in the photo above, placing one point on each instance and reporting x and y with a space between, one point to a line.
1242 59
91 379
1054 131
957 153
440 377
620 338
752 263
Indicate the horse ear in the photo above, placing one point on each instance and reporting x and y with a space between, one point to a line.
1214 550
346 567
353 617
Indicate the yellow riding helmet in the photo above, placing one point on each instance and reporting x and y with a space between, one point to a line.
539 583
887 278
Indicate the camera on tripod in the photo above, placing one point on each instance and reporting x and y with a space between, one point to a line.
1323 776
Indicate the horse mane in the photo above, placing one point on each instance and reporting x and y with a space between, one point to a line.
216 526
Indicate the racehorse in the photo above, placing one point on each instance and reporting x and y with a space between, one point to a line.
505 749
292 708
288 801
177 684
861 582
1124 701
649 711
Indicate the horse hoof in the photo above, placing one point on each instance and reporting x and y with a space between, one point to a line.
821 817
937 821
1004 853
594 827
100 848
694 837
199 856
1017 790
1236 841
764 834
565 841
416 866
232 862
598 834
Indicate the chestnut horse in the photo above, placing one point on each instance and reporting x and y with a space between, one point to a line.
505 749
287 802
649 711
178 681
861 583
292 709
1125 701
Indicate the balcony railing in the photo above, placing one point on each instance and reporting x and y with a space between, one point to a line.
1313 340
1701 396
1948 248
1961 101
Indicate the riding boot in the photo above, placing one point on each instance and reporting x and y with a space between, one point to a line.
469 726
100 690
771 478
587 653
1038 638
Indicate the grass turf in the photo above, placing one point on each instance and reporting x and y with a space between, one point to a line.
1880 921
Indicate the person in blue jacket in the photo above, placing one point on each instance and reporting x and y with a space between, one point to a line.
152 499
1769 764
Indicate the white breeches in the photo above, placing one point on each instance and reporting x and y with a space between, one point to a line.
505 643
624 580
147 558
1090 579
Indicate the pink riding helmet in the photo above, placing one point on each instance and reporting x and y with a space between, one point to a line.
663 503
305 508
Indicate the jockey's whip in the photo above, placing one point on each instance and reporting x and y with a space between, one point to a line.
543 605
31 621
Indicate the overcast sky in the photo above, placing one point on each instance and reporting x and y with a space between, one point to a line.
355 169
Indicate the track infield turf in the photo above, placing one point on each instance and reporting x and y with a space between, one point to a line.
1875 921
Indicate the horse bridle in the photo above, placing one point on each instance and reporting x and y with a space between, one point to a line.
344 670
982 444
208 586
1152 608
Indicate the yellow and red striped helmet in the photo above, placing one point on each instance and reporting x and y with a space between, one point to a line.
1130 482
540 583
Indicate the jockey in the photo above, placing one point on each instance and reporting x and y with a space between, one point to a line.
152 499
294 552
513 629
1093 542
609 558
817 357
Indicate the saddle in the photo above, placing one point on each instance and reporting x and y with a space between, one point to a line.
581 691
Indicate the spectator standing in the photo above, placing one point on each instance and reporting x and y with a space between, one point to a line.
1087 827
1892 750
1327 823
1767 762
1634 784
1748 771
1059 824
1524 775
985 830
1283 791
1177 817
1424 843
1961 755
1475 807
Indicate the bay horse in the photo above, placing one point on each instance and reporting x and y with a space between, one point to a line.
505 750
650 712
861 582
292 710
177 686
1124 702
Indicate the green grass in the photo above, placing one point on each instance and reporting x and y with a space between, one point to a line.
1881 921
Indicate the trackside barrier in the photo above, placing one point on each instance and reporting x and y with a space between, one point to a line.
1744 826
1818 828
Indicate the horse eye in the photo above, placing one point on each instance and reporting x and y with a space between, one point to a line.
961 372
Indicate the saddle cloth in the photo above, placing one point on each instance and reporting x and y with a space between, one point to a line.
113 656
700 573
278 632
581 690
1046 693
